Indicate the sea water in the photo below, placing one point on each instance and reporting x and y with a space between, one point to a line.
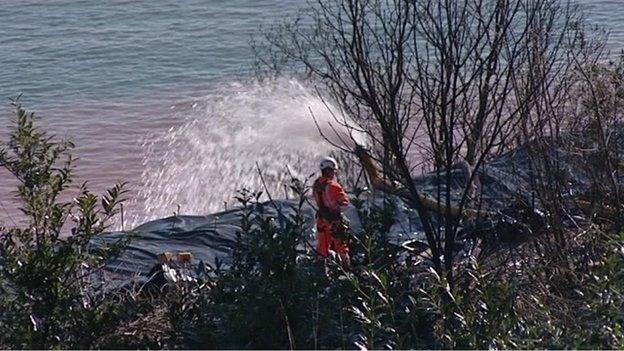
161 94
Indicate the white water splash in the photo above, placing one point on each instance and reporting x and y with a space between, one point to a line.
201 164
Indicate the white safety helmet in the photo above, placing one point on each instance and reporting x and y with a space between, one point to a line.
328 162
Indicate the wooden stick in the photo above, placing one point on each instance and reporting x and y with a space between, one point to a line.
428 201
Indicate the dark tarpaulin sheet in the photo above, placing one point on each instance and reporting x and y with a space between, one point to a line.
502 180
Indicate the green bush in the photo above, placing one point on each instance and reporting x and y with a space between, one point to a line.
264 299
278 294
48 297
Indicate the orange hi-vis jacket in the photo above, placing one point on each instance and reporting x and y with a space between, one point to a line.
330 198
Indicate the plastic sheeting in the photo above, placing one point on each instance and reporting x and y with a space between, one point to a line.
213 236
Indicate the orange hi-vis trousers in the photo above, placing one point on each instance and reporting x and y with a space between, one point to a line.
326 241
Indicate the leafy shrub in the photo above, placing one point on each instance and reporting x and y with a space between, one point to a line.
47 296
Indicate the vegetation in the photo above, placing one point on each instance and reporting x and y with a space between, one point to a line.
48 297
435 83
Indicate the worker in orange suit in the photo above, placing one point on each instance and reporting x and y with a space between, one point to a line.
331 199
